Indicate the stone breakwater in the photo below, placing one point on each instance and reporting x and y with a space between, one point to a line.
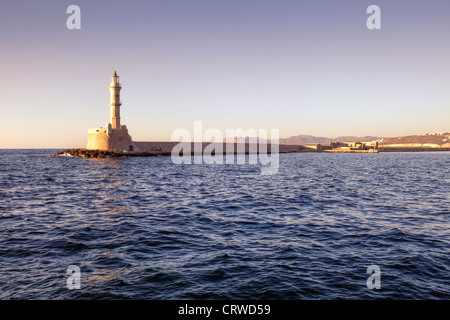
99 154
165 149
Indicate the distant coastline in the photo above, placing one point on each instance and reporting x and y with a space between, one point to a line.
429 140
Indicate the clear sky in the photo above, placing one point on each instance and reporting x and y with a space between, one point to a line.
303 67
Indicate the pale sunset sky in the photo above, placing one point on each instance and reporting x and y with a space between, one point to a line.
303 67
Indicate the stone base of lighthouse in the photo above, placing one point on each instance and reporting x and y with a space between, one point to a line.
117 140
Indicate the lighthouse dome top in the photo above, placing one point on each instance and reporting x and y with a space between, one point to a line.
115 78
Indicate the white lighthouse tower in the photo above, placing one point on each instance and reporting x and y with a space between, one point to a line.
115 136
114 100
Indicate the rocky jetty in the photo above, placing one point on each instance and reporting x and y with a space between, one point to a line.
101 154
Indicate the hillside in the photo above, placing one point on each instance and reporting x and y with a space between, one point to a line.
428 140
435 140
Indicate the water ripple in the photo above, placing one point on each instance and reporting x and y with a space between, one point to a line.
144 228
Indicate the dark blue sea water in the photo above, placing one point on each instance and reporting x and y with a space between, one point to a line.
144 228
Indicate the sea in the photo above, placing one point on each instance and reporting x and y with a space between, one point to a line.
325 226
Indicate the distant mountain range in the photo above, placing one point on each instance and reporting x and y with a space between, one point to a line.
306 139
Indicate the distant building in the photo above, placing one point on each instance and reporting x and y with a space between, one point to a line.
371 147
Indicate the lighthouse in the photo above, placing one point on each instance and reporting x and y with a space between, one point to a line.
114 137
114 100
